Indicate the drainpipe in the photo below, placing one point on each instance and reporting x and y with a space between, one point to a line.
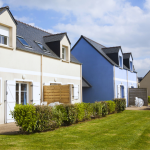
41 78
81 84
127 89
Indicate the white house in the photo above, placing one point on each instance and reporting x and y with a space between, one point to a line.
29 59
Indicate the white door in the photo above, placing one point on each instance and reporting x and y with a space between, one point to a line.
10 100
118 91
36 93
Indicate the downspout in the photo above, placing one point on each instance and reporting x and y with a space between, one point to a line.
41 78
81 83
114 82
127 90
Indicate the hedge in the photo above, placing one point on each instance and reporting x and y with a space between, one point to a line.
32 118
148 99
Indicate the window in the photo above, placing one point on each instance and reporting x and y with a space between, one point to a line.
22 40
41 46
21 93
120 60
63 53
131 67
3 40
4 35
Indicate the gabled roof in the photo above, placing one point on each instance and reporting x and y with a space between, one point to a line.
55 37
109 50
98 47
6 8
85 83
145 75
32 34
127 55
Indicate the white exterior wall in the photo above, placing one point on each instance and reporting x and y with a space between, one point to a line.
14 64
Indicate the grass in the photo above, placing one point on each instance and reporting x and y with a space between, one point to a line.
127 130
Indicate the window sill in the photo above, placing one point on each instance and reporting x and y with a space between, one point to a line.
65 61
5 46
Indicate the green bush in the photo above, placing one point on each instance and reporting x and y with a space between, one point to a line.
120 104
44 118
97 109
111 106
80 108
69 113
148 99
26 117
104 109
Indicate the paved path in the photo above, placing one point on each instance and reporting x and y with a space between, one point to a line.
9 128
138 108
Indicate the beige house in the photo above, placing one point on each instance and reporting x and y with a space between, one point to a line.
31 58
145 82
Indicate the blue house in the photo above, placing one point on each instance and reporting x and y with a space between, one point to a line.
107 71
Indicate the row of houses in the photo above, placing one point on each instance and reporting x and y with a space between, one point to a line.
31 58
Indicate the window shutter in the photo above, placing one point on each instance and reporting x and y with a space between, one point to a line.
10 100
76 92
118 92
36 93
4 31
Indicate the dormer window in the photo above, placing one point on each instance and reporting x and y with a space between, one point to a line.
4 35
64 53
120 61
23 42
131 66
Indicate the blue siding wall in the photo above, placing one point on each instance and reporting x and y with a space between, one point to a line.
132 79
97 71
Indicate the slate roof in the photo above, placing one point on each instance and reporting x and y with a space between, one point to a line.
109 50
85 83
55 37
32 34
126 55
140 79
99 47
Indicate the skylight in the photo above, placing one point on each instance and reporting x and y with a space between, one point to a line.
41 46
22 40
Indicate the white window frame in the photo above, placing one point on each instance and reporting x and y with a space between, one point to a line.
65 53
20 91
1 40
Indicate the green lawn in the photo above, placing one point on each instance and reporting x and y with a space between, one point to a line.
127 130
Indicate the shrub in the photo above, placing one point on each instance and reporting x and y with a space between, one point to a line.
120 104
111 106
25 116
97 109
69 113
88 111
80 108
104 109
148 99
44 118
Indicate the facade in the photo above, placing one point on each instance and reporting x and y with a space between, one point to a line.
29 59
108 70
145 82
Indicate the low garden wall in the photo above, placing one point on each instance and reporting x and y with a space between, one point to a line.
32 118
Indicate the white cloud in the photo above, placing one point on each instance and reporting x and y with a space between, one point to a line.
23 19
109 22
142 65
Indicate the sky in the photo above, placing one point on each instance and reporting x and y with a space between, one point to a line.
124 23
